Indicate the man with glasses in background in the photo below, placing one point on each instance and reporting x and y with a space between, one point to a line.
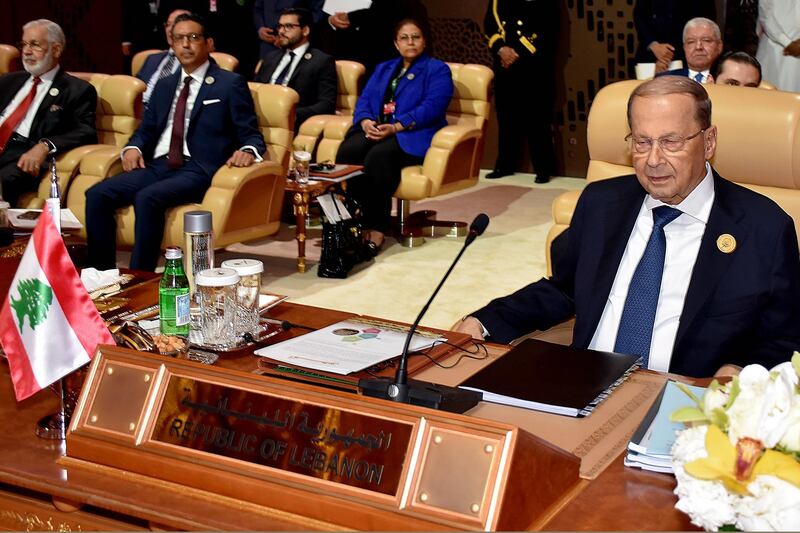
310 72
702 44
162 64
694 273
198 119
43 111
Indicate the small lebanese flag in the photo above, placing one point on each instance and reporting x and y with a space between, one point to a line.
49 325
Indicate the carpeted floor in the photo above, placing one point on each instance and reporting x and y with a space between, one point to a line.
509 255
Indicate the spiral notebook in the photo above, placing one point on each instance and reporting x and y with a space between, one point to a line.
551 377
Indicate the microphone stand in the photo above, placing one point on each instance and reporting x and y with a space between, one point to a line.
435 396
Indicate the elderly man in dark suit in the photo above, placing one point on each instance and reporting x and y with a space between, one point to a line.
702 44
43 111
676 264
197 120
310 72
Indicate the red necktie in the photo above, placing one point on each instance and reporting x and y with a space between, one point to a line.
13 120
175 155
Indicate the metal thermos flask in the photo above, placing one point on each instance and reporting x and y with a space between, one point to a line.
198 244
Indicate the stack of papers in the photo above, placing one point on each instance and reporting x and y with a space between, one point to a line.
651 445
347 346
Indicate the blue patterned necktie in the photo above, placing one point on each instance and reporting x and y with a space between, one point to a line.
638 316
166 70
698 77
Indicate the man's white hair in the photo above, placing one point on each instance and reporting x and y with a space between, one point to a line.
54 32
702 21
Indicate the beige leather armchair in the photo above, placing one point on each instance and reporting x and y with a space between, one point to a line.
350 80
452 162
119 108
245 202
758 145
9 58
225 61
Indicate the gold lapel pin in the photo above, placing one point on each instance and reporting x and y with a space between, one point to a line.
307 56
726 243
54 92
410 76
210 79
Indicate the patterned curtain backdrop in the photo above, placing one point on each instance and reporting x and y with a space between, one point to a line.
92 28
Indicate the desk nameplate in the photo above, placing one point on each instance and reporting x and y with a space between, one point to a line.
326 455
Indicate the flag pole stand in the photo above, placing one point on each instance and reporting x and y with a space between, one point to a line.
54 426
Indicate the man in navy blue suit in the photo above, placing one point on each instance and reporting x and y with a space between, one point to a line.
727 289
162 64
702 45
197 120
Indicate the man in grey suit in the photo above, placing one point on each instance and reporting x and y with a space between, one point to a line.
310 72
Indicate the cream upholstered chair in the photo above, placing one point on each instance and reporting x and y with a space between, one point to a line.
758 145
350 80
245 202
225 61
119 109
9 58
451 163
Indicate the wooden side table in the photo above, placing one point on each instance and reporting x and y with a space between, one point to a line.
302 195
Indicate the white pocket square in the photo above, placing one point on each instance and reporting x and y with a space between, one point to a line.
209 102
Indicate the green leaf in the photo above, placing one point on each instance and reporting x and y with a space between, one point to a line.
688 414
690 394
734 392
720 418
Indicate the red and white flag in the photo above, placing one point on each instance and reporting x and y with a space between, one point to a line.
49 325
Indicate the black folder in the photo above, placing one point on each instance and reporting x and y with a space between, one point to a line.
552 377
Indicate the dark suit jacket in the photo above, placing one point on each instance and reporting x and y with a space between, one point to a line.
266 14
314 79
741 307
663 21
223 119
677 72
150 65
421 98
67 119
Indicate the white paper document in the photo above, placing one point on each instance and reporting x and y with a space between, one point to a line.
347 346
344 6
27 218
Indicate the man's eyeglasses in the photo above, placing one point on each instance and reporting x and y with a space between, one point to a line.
706 41
193 37
404 38
669 143
287 26
36 46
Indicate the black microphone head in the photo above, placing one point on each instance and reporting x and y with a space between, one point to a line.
477 227
480 224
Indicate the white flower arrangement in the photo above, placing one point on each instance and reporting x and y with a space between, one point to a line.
738 465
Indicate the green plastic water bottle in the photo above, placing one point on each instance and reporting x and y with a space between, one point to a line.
173 295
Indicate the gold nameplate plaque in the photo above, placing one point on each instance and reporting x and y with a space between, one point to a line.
311 451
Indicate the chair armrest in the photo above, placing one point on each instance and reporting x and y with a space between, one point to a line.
232 178
450 137
564 207
336 127
102 162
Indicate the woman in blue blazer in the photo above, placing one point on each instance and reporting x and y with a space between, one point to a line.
403 105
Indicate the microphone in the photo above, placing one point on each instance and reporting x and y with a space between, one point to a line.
431 395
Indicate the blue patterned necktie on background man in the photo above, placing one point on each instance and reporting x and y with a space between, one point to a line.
698 77
167 69
639 314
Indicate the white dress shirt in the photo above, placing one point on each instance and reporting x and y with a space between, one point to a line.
705 73
24 127
683 237
299 52
198 76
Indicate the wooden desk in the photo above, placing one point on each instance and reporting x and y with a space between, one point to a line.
30 477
